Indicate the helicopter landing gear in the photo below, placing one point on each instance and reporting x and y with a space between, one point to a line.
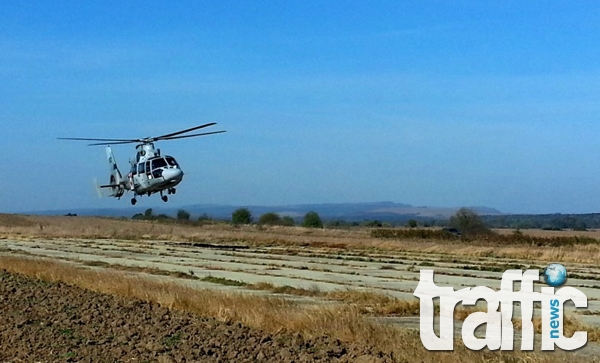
133 201
164 197
171 191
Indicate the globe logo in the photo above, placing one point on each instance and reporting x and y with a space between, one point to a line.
555 274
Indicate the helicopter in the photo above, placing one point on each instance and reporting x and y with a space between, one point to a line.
150 172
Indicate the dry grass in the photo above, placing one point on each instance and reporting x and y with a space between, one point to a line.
375 304
332 240
342 321
551 234
571 325
366 302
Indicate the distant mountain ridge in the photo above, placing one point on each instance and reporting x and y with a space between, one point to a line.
383 211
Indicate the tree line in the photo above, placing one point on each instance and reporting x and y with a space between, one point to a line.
578 222
244 216
238 217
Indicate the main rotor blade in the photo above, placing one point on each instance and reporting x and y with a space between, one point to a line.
182 131
193 135
86 139
115 142
171 136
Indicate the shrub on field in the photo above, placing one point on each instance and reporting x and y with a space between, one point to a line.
436 234
205 218
517 238
288 221
270 219
411 223
183 215
469 223
312 220
241 216
373 223
148 215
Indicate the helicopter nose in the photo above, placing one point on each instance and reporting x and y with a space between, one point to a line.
172 174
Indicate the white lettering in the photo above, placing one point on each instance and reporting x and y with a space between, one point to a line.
499 332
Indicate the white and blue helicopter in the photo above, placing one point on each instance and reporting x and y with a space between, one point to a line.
150 172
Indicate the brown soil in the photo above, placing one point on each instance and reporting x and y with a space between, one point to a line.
56 322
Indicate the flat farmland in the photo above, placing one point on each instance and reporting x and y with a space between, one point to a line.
314 270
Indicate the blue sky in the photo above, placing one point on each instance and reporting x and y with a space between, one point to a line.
433 103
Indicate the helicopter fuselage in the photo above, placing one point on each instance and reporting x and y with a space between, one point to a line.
149 173
154 175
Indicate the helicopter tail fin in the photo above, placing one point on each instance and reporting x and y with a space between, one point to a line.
116 179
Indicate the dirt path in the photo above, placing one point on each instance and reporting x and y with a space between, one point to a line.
55 322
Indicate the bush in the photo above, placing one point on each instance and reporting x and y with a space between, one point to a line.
241 216
416 233
147 216
517 238
205 218
271 219
372 224
340 223
183 215
163 217
469 223
312 220
288 221
411 223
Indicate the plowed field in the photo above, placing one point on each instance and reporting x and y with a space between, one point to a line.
56 322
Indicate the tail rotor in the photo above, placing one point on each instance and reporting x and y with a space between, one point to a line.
116 179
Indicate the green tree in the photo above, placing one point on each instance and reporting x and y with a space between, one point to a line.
469 223
138 216
412 223
148 213
183 215
312 220
271 219
241 216
163 217
288 221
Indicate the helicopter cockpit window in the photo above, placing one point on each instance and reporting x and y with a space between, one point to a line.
171 161
158 163
141 168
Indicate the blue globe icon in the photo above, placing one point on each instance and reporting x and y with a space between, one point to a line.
555 274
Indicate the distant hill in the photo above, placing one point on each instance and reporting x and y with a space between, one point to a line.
351 212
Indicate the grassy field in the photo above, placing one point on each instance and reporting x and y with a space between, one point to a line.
346 320
17 226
